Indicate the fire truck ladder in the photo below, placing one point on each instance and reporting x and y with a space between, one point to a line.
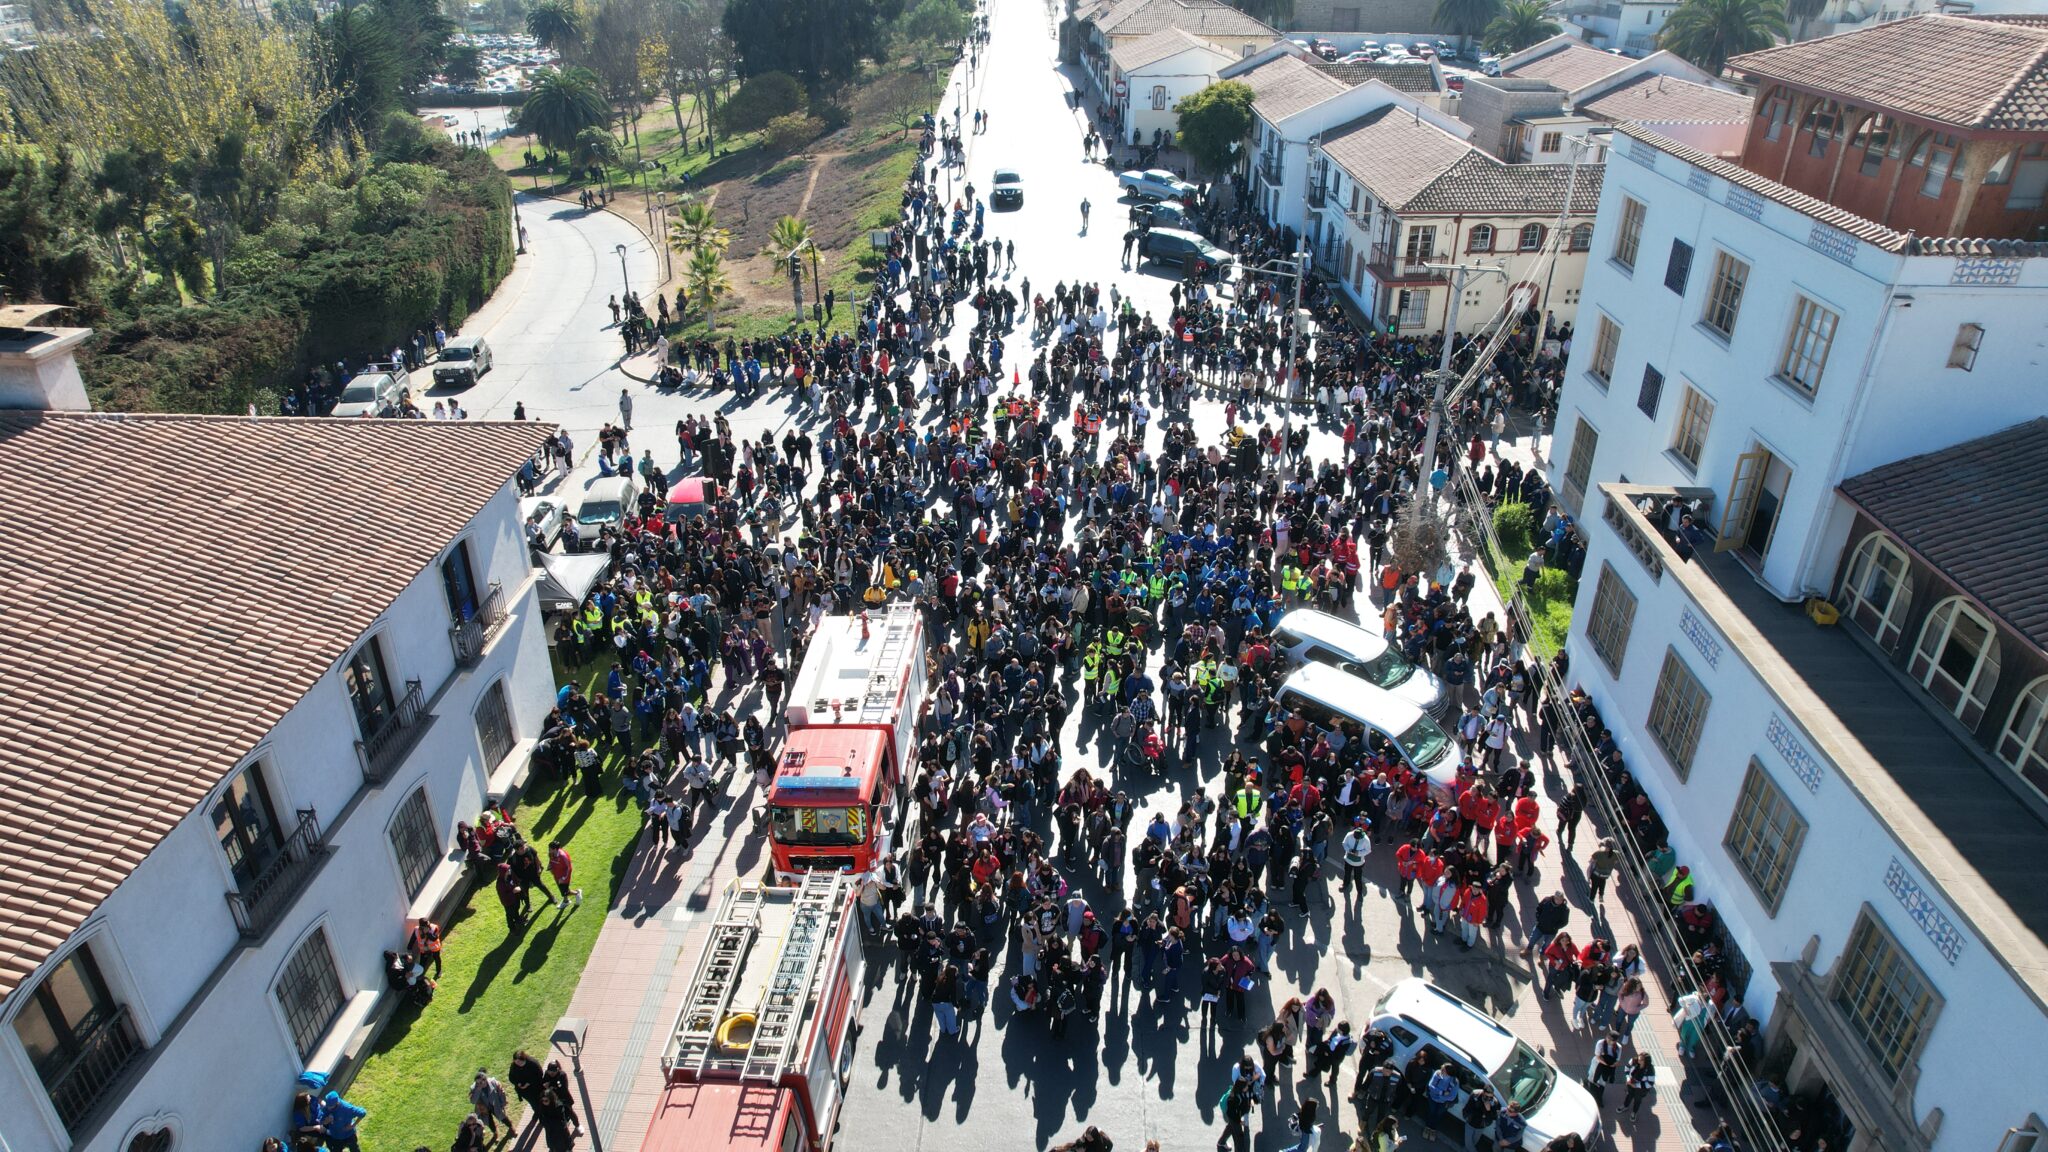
780 1019
696 1042
882 685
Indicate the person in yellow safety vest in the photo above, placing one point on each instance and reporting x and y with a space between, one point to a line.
1110 680
593 618
582 633
1679 891
1113 643
1091 663
643 599
1155 588
1290 580
1249 802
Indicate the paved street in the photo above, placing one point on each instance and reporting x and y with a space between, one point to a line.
1148 1070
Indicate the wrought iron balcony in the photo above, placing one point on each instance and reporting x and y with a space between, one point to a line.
383 748
1268 166
270 890
104 1052
1317 195
470 637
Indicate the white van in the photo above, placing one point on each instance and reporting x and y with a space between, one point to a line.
1324 695
1306 636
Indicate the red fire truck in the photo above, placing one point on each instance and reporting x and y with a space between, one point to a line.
762 1050
838 797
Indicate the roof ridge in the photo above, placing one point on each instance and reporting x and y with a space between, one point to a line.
2020 75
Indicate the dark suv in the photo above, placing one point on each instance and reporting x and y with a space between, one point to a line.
1188 251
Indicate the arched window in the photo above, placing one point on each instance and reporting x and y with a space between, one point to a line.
1957 659
155 1140
2025 742
1877 589
1582 237
1532 237
1482 238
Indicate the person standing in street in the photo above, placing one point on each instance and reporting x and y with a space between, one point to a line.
1236 1107
1357 846
626 409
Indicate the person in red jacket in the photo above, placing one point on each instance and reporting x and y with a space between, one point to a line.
563 870
1429 868
1472 909
1529 844
1406 858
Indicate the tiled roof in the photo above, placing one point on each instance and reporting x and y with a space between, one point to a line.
1416 168
1400 77
1480 183
1988 74
1571 67
1654 99
1286 84
1160 46
175 585
1205 18
1961 508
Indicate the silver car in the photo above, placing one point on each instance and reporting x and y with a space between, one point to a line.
370 394
607 501
1157 183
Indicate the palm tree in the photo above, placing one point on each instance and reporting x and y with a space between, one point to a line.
561 104
705 275
790 236
694 228
557 24
1467 18
1520 24
1708 32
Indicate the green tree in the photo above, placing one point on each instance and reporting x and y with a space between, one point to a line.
1467 18
788 235
419 33
364 74
1708 32
464 65
1213 119
1520 24
820 42
936 22
761 99
788 133
694 226
705 275
46 243
561 104
596 146
557 25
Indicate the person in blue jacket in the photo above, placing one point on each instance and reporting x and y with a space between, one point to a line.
340 1118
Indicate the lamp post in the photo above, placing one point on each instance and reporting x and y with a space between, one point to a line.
625 279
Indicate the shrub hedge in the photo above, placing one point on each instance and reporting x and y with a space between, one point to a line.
348 294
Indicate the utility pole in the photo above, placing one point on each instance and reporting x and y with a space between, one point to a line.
1294 335
1441 378
1578 145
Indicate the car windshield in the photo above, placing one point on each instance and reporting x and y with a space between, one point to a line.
453 353
364 393
597 512
1389 670
838 825
1007 178
1425 743
1523 1079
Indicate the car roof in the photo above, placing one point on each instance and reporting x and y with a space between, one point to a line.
1452 1020
1161 172
1343 692
1334 631
607 488
1179 234
1011 173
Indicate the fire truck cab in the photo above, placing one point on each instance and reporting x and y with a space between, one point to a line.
838 799
761 1053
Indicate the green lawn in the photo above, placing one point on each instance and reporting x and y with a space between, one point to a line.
1549 603
499 992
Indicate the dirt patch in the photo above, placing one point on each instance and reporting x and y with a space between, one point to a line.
751 207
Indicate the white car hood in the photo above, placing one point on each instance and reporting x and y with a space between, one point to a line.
1421 689
1568 1108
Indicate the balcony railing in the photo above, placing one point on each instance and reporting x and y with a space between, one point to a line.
1317 195
382 749
265 895
104 1052
1269 168
1401 264
470 637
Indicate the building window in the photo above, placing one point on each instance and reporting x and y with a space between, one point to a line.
1938 153
413 841
245 824
1750 516
1421 244
458 580
1629 237
1605 344
1806 345
1552 141
1679 268
1724 295
1678 710
1957 659
1481 239
1614 614
309 991
1695 415
1877 589
1651 393
2024 744
1821 121
1882 995
2029 180
1776 110
1159 97
1414 307
1764 836
155 1140
1963 353
1532 238
62 1019
1878 136
369 687
1578 469
1581 237
494 730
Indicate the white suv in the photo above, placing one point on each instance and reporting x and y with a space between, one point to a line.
1418 1015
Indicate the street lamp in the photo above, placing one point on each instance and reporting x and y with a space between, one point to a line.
627 280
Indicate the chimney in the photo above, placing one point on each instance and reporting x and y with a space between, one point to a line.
39 366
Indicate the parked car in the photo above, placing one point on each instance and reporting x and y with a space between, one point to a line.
1323 48
1420 1017
370 394
1355 58
1309 636
1454 82
606 502
462 361
1008 191
543 516
1156 184
1163 214
1186 250
1489 65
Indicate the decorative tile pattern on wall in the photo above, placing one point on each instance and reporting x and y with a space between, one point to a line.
1642 154
1985 270
1746 203
1702 637
1780 736
1832 242
1698 180
1947 938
